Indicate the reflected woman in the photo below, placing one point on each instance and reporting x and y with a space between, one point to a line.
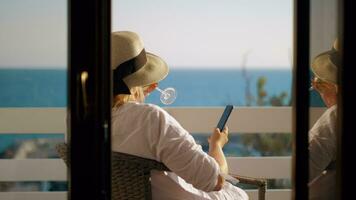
322 136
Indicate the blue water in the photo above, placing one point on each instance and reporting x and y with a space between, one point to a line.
33 88
48 88
220 87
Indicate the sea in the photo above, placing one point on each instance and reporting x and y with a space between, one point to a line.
194 87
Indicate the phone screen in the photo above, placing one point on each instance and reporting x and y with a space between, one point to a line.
225 117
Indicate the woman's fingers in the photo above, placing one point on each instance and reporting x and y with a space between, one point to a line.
226 130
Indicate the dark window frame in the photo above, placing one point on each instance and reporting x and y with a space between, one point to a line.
89 99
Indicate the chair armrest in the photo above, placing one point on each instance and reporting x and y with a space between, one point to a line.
259 182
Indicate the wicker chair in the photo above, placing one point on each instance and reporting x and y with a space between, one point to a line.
131 175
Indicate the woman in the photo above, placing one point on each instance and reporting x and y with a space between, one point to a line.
322 136
148 131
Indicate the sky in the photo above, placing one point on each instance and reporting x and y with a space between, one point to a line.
186 33
33 33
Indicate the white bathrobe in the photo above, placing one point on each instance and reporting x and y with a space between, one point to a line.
148 131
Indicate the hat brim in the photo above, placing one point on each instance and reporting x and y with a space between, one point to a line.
153 71
324 68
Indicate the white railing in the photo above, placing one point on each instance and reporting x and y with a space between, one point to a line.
198 120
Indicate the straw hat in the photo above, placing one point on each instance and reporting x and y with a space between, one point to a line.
131 65
325 65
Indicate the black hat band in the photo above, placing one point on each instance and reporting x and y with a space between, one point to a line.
125 69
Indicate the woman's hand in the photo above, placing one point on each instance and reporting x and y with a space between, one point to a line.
219 138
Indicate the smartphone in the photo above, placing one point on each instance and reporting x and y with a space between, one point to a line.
225 117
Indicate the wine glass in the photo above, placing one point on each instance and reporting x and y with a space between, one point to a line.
168 95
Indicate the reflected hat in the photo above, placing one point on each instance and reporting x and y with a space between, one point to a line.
131 65
325 65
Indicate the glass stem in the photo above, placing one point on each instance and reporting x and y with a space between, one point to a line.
157 88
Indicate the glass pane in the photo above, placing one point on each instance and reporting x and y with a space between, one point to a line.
323 112
219 53
33 85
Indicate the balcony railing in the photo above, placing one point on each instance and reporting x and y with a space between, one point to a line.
195 120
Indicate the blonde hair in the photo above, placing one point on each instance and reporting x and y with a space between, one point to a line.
137 95
325 85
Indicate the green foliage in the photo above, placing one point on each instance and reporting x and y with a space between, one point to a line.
275 144
262 96
261 92
269 144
